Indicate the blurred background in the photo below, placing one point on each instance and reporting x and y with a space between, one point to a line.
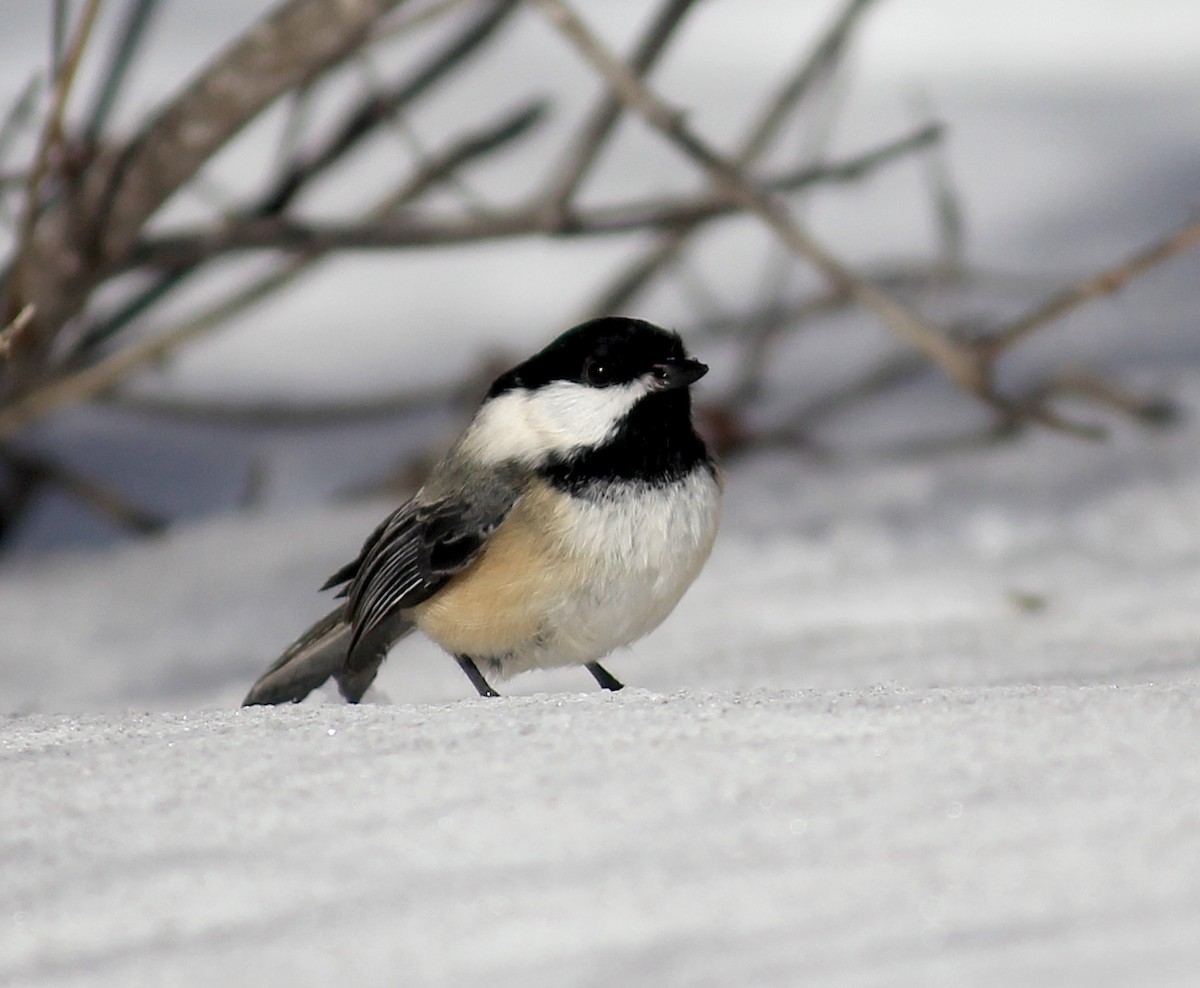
971 160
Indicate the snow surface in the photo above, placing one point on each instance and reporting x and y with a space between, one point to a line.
921 721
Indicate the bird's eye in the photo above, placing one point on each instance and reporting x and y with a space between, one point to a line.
597 372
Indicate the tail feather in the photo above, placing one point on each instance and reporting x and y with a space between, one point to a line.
322 653
310 660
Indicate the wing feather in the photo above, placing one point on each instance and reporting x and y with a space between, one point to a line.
411 555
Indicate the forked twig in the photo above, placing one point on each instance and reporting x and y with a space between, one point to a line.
99 377
956 361
969 365
585 148
412 230
50 137
107 502
1095 286
813 67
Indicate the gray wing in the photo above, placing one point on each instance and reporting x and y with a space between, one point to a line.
411 556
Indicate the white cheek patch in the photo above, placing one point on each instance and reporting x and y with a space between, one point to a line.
555 419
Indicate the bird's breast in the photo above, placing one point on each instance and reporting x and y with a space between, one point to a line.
567 578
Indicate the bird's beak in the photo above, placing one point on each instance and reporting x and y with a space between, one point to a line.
677 373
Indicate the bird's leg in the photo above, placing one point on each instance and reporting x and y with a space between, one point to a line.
605 678
467 665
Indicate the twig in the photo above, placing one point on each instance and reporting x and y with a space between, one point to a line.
93 380
813 67
958 362
413 231
18 115
891 372
10 332
585 147
107 502
51 135
132 32
281 415
364 118
467 149
404 22
1153 410
60 18
302 170
1095 286
81 237
471 147
947 207
105 373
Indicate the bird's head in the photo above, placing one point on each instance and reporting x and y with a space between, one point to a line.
578 391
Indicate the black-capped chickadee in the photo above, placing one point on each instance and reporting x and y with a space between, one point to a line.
567 521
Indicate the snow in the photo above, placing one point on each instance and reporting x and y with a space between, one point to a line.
922 720
990 836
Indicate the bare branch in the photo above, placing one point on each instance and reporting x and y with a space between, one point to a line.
947 207
366 117
18 115
585 148
413 231
302 170
1147 409
98 378
113 506
288 49
956 361
10 332
282 414
815 66
51 135
88 230
468 148
1096 286
138 17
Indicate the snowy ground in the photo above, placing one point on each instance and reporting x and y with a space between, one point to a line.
924 721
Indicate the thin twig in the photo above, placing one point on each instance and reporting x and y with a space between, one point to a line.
83 384
18 115
468 148
889 373
585 147
955 360
302 170
186 247
50 137
107 372
365 117
813 67
14 329
947 206
1155 410
102 499
60 19
1095 286
132 32
405 22
82 236
289 414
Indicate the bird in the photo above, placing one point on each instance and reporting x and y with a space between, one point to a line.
565 522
